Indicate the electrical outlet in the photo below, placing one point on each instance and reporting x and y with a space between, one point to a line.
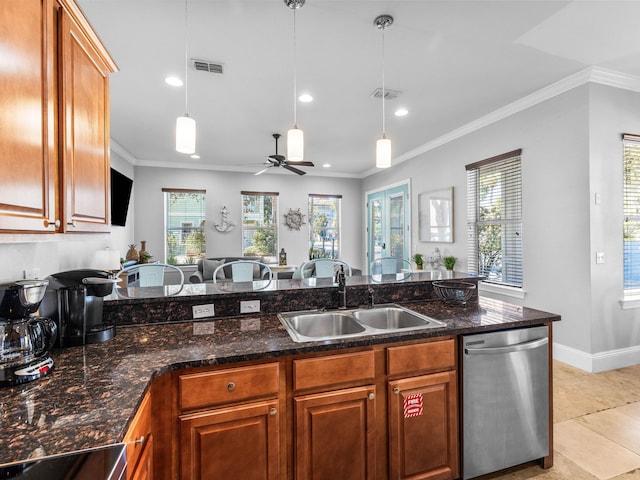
599 257
202 311
250 306
32 274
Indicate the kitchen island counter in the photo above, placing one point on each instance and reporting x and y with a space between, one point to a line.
90 397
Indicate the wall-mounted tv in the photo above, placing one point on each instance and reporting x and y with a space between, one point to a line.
121 187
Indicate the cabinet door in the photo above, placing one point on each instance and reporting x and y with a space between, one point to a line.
335 435
423 427
240 442
27 119
84 108
138 439
144 469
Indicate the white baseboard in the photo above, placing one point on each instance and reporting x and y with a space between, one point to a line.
597 362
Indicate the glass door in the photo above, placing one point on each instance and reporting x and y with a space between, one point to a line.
388 224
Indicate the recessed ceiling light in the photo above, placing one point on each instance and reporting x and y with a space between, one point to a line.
173 81
401 112
326 165
305 98
195 156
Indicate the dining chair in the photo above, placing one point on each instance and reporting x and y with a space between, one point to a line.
148 275
323 268
243 271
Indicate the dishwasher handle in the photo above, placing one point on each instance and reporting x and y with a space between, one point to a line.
518 347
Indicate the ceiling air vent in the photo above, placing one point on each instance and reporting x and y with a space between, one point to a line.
205 66
388 94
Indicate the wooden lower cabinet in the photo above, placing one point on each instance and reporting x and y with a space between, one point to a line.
139 440
144 468
239 442
423 427
335 435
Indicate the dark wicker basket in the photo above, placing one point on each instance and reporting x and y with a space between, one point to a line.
453 292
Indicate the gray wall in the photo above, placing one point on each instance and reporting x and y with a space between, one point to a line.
223 188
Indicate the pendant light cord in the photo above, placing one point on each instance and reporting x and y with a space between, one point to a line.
186 59
295 74
383 91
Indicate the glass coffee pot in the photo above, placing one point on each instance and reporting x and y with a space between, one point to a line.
25 338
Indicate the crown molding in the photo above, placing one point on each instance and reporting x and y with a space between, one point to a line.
122 152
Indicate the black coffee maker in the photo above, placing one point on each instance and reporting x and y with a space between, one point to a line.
74 299
25 338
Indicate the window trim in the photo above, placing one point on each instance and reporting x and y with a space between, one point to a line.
630 296
473 212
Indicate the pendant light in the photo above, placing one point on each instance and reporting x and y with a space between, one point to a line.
295 136
383 145
185 125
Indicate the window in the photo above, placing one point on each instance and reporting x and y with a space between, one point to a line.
324 226
631 228
494 219
184 226
259 224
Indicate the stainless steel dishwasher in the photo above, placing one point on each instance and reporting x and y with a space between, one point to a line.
505 399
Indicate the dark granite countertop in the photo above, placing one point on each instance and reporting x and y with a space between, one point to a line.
92 394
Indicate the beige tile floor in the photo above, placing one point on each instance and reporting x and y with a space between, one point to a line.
596 427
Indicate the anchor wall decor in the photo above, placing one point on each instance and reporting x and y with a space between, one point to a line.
225 225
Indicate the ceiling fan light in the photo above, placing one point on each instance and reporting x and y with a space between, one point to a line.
186 135
295 145
383 153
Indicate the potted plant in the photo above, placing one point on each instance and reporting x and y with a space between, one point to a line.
449 262
145 257
418 258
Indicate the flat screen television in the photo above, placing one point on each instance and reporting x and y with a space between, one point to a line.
121 187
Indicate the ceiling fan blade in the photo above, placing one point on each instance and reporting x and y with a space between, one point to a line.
277 158
263 170
294 170
301 164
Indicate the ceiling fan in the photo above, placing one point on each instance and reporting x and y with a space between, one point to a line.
276 160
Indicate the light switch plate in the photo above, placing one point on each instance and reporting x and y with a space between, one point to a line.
203 311
250 306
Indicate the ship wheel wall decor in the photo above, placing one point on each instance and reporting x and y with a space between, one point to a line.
294 219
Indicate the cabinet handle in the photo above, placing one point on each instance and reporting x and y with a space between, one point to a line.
139 441
396 390
273 411
72 223
372 396
49 223
231 386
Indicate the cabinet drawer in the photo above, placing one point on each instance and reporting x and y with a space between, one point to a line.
139 434
334 369
227 386
424 356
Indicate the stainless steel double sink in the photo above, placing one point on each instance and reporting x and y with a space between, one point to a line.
318 325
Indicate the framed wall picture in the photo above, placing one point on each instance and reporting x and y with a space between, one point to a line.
435 216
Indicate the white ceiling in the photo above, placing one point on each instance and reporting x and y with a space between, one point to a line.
454 62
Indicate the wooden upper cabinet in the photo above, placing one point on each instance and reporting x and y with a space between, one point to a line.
28 85
84 118
54 146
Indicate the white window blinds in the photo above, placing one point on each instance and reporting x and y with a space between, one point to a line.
259 224
631 227
494 218
324 226
184 225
